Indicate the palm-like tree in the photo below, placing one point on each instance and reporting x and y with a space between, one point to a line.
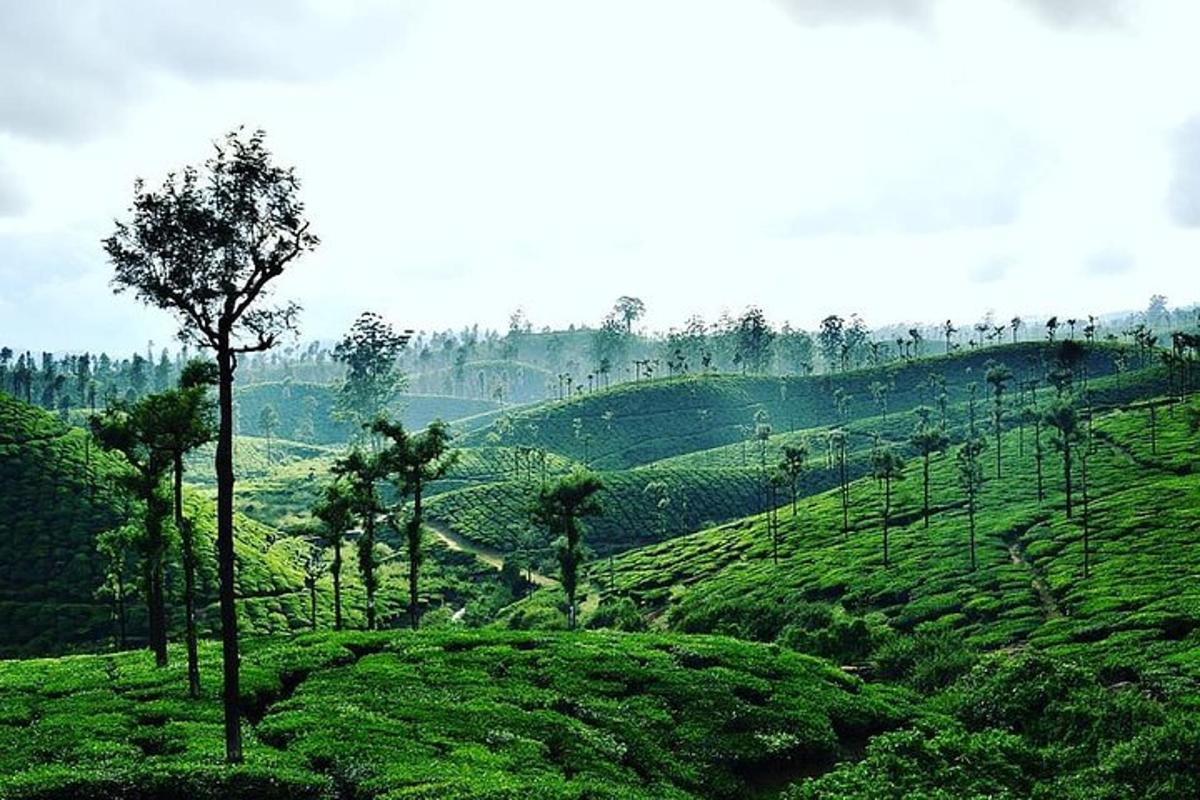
998 377
561 507
1063 417
413 461
927 439
793 465
185 418
887 466
335 508
361 472
970 478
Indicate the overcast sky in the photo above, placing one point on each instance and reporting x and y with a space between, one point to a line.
906 159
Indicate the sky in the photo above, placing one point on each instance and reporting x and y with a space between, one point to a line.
908 160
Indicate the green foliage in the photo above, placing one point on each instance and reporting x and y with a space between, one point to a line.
437 715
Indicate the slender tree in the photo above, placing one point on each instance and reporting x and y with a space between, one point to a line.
998 377
1063 417
206 246
127 429
793 465
927 440
413 461
970 478
268 421
361 472
887 466
183 419
560 507
336 509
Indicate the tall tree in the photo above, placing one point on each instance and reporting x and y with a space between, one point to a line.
335 509
927 439
998 377
413 461
629 310
127 429
793 465
561 506
184 419
754 337
970 478
268 421
371 351
887 466
361 472
206 246
1062 416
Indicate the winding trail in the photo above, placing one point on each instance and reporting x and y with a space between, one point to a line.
493 558
1050 606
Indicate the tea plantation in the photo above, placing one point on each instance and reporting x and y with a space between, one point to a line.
440 715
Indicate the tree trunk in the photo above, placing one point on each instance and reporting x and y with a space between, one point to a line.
925 468
122 637
155 590
971 518
336 569
414 557
887 509
223 464
368 546
1067 472
188 546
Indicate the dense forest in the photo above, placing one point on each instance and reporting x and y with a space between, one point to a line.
725 560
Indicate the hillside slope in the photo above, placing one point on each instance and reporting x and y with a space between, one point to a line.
51 574
439 716
638 423
1139 603
306 411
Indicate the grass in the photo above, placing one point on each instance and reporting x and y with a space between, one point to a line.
439 715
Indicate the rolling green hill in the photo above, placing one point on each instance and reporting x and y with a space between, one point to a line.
1139 604
640 506
647 421
306 411
440 716
50 572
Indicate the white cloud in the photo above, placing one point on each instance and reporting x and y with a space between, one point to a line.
462 158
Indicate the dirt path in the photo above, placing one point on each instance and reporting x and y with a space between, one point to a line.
1050 606
487 555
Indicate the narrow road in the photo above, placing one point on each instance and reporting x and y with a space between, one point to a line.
492 558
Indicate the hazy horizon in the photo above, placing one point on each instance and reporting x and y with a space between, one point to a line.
906 160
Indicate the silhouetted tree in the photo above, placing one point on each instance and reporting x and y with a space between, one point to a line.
206 247
629 310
